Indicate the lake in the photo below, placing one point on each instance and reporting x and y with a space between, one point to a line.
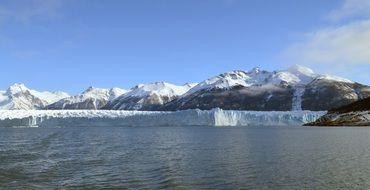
185 158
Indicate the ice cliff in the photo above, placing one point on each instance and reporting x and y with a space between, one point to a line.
100 118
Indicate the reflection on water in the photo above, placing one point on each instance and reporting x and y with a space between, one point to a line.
185 158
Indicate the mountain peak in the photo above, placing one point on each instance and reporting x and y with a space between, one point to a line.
116 92
301 70
94 90
151 86
148 96
190 85
160 83
18 85
159 88
90 88
17 88
255 70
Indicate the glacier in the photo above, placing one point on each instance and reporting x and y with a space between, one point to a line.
101 118
297 98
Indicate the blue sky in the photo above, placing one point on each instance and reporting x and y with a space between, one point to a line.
69 45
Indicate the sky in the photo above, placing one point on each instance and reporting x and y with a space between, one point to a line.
69 45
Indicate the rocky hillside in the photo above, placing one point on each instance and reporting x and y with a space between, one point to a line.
354 114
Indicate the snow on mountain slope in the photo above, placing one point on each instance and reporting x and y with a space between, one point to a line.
159 88
295 88
334 78
148 96
50 97
19 97
295 75
91 98
190 85
300 70
290 89
115 93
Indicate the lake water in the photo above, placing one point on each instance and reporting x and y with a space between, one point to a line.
185 158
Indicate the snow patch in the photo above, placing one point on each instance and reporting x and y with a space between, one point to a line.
297 98
334 78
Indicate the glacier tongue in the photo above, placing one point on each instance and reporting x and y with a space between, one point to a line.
297 98
215 117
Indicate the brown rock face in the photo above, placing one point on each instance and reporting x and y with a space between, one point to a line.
87 104
327 95
237 98
148 103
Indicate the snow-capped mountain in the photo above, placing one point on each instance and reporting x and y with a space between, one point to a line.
295 75
295 88
148 96
91 98
19 97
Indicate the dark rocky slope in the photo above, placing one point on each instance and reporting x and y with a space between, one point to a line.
294 89
236 98
322 94
354 114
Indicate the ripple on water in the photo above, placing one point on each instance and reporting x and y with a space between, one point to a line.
184 158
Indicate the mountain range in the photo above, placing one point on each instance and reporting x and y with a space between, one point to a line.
19 97
91 98
296 88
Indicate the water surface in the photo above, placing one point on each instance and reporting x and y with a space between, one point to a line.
185 158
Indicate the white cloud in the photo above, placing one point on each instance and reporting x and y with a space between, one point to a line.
25 11
351 9
346 44
342 48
